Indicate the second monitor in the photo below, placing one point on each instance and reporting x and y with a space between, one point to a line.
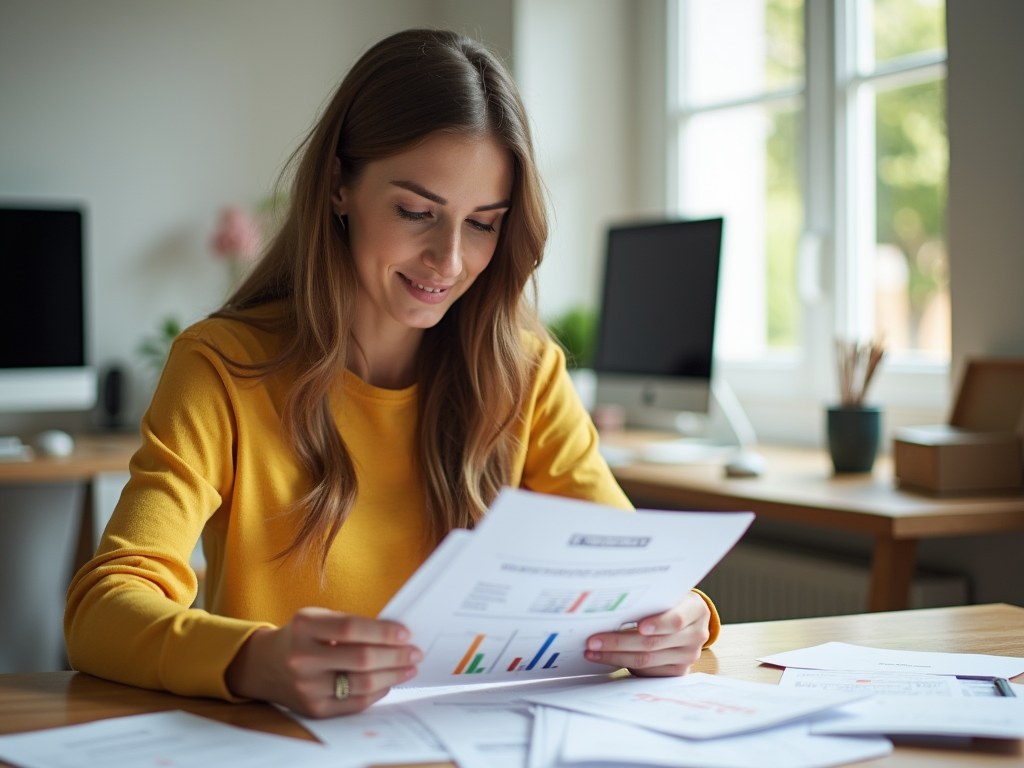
656 330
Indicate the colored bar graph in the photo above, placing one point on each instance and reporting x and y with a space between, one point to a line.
615 605
543 648
514 664
551 662
578 603
469 655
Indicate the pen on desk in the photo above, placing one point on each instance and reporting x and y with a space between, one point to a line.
1002 685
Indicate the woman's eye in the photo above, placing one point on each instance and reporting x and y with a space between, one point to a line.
480 226
411 215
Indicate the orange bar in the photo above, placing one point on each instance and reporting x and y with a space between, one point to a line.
469 654
579 601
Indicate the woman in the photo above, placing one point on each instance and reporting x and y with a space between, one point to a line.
371 385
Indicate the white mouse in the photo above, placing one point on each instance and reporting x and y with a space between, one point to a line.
745 464
53 442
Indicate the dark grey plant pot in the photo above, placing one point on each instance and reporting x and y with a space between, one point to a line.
853 437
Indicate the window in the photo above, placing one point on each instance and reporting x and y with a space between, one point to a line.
817 128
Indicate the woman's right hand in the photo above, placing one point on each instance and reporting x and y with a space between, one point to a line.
297 665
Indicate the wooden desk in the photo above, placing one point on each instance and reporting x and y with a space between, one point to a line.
51 699
92 454
800 487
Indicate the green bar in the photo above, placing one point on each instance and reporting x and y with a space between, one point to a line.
615 605
475 666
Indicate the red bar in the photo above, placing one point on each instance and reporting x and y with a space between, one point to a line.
579 601
514 664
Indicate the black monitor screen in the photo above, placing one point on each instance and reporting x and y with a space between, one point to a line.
41 296
660 295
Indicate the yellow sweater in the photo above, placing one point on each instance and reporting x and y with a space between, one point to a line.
214 462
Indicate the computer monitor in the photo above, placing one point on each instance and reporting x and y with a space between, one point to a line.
656 330
42 311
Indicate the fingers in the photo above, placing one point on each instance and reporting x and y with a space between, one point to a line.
297 664
364 689
336 628
662 645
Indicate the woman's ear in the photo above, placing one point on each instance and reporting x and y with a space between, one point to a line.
338 191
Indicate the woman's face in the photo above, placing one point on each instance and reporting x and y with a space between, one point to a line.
422 225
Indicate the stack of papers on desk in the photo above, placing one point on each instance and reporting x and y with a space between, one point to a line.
910 692
550 724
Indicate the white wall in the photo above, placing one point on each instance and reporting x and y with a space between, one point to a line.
154 115
986 178
986 236
576 69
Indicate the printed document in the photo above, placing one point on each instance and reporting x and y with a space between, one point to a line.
598 741
994 718
178 739
698 706
858 658
517 598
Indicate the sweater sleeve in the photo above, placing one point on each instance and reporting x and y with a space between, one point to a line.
127 616
563 456
562 453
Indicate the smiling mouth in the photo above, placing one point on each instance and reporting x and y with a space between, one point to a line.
423 287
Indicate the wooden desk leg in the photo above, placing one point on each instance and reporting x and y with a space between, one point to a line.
892 570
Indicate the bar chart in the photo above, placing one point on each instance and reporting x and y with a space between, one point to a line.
587 601
516 653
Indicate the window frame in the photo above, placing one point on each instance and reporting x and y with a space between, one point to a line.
785 393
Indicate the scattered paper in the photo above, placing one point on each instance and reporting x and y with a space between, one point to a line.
376 736
698 706
487 726
843 656
518 597
590 739
874 683
178 739
994 718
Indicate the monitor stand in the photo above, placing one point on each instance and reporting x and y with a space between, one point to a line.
722 436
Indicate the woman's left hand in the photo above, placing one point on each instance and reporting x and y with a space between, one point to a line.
661 646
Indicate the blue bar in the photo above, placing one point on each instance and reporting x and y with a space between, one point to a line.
551 661
547 644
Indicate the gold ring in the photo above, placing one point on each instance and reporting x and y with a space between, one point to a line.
341 690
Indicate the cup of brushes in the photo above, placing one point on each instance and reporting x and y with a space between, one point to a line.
854 427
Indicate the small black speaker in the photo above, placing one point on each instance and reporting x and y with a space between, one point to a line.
112 397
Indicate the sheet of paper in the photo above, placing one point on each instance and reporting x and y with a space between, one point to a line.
843 656
541 573
480 737
996 718
376 736
590 739
698 706
874 683
549 725
178 739
487 726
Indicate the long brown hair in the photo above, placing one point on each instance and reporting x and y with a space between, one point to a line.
402 90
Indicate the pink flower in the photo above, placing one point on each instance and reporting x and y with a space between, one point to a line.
237 237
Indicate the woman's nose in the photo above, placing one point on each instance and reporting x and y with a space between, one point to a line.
445 255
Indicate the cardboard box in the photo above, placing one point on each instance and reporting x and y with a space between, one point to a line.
946 459
981 448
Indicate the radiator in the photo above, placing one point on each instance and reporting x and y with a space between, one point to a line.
762 582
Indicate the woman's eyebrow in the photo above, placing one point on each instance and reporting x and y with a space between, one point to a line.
417 189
